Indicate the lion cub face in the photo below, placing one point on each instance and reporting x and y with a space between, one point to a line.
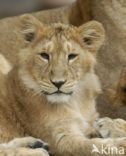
57 57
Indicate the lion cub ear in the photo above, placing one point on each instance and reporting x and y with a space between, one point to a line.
92 34
28 26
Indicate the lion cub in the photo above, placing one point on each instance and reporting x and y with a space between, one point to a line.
51 93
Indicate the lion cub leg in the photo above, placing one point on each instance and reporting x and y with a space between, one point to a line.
113 128
70 141
77 145
24 146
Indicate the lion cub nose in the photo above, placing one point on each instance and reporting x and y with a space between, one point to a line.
58 84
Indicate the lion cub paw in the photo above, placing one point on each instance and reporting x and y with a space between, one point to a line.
28 145
28 142
113 128
24 152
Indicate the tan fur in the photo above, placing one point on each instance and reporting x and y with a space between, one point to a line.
10 44
5 66
63 120
110 60
110 128
116 92
113 56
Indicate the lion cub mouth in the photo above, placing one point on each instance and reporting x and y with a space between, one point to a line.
58 97
58 92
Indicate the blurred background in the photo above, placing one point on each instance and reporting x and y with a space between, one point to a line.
16 7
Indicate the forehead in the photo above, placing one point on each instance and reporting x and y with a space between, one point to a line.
58 38
52 46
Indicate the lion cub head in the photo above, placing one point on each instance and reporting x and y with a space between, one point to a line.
57 58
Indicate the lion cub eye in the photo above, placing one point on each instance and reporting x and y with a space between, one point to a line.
72 56
45 56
